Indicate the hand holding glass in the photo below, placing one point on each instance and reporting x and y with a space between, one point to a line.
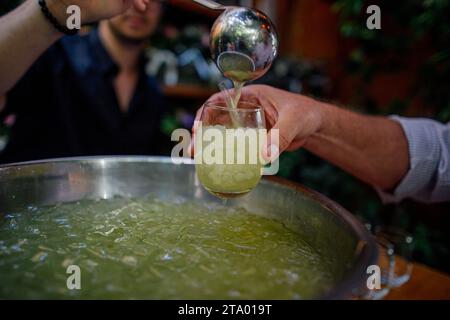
227 137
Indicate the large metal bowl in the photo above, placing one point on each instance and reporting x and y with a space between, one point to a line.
328 227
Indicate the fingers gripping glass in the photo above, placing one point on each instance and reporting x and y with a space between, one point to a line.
228 148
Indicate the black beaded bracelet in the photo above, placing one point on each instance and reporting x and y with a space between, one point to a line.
50 17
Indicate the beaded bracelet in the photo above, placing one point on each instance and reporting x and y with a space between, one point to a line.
50 17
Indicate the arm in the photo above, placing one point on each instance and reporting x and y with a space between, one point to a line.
407 158
25 33
428 179
373 149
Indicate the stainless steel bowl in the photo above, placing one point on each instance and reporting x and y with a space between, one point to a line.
328 227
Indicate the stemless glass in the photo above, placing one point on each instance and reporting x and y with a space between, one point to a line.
228 148
386 263
403 245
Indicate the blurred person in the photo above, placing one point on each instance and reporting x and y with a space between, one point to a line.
402 158
81 95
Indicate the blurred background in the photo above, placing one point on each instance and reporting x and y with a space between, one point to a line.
326 52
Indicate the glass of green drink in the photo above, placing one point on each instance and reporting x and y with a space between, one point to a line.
228 148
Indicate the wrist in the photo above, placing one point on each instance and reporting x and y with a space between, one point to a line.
314 114
33 14
58 9
52 16
325 115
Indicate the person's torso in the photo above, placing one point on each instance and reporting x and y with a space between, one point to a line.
69 107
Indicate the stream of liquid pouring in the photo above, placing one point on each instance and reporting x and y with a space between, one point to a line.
232 101
237 121
237 92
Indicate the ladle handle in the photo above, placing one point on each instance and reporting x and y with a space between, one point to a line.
210 4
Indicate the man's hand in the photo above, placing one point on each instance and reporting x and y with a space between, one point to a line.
374 149
95 10
296 117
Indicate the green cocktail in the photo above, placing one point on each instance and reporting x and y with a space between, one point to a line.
147 249
229 158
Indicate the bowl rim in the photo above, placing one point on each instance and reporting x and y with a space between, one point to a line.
366 252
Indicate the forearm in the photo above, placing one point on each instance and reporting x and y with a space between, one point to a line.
24 35
373 149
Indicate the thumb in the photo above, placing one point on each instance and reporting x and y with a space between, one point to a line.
280 138
140 5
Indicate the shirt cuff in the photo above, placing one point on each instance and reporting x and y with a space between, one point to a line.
424 155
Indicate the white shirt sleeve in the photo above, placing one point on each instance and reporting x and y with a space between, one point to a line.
428 179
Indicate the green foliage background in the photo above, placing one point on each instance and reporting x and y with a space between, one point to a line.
412 25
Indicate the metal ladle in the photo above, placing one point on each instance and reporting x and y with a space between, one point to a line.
244 42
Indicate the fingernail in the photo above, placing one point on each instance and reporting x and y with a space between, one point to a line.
266 155
274 152
271 153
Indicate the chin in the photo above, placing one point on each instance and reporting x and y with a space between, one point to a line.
136 36
132 35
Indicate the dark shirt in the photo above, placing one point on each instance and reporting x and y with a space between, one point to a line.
66 106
